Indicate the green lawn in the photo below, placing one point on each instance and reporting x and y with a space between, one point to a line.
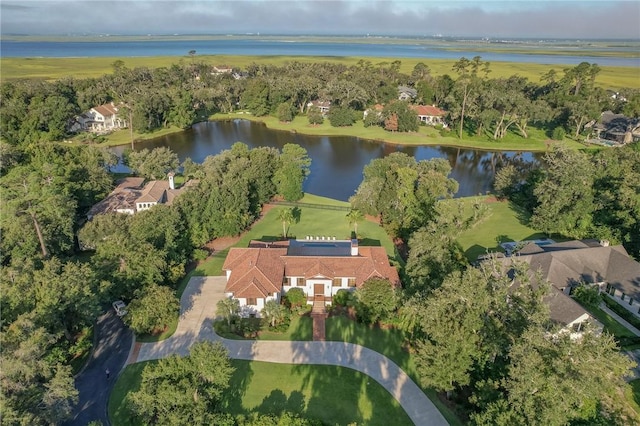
388 342
334 395
319 222
505 222
128 381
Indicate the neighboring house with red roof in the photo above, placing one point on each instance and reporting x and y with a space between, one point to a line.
430 114
266 271
103 118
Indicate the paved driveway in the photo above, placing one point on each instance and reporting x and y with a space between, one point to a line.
110 352
198 306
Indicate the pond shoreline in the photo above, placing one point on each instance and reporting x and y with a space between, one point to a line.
297 127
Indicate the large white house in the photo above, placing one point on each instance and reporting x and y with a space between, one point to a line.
102 118
320 267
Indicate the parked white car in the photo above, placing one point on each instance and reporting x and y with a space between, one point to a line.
120 307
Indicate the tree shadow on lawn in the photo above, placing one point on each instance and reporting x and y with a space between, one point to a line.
369 242
277 402
340 395
520 213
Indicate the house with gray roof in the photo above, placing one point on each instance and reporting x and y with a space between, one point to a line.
617 128
132 195
569 264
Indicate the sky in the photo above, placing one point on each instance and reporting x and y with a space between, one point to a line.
495 19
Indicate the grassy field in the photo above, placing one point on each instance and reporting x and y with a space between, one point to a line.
505 222
59 68
331 394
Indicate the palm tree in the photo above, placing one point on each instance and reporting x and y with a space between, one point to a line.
287 217
228 308
354 216
274 312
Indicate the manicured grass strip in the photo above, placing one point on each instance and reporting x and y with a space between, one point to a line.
301 328
609 323
504 222
128 381
334 395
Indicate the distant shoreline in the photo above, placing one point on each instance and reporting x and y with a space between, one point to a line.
605 48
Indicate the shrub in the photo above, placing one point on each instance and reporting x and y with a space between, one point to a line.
285 112
315 116
588 296
295 299
344 297
377 299
341 117
199 254
154 307
558 134
372 119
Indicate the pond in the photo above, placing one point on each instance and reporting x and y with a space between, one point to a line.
337 162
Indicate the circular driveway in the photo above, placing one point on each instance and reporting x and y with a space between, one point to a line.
197 313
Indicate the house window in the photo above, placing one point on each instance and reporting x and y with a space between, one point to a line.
337 282
622 296
300 282
252 301
630 301
351 282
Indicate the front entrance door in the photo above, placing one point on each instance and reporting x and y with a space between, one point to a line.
318 291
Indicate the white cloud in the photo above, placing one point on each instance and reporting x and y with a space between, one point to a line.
572 19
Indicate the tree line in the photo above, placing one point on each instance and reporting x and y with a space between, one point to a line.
181 94
485 343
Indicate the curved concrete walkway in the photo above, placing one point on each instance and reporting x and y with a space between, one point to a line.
198 305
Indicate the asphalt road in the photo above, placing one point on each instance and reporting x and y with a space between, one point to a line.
110 352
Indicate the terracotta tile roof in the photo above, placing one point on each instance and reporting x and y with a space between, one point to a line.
262 270
129 182
428 110
254 270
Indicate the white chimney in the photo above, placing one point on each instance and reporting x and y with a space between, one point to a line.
604 243
354 247
172 184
